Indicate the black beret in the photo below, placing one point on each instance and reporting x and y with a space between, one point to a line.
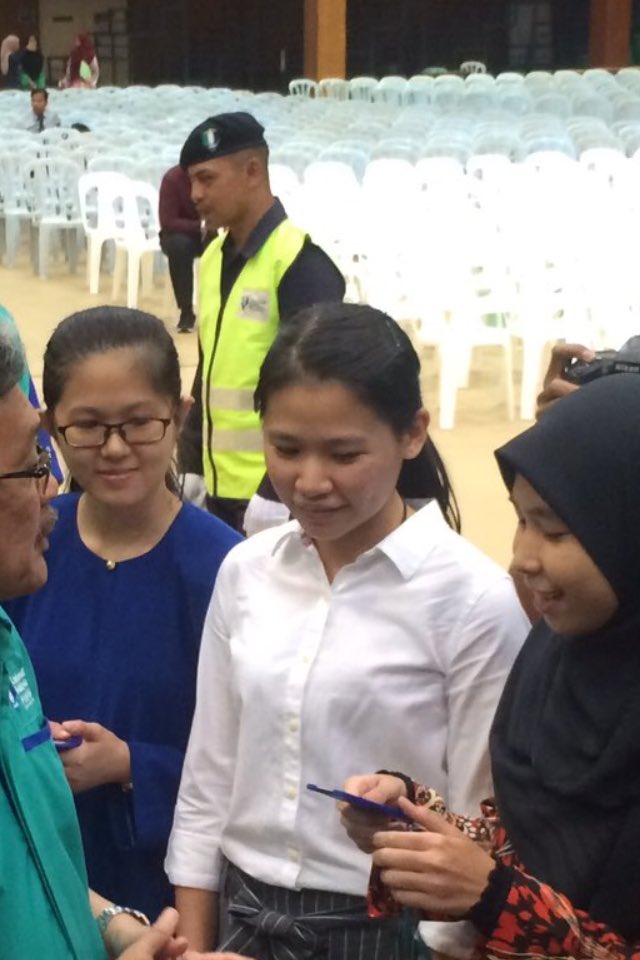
220 136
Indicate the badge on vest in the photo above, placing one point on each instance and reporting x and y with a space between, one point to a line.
254 305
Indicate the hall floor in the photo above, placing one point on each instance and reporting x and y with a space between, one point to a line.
481 421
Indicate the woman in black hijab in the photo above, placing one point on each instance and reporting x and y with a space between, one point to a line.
557 869
32 76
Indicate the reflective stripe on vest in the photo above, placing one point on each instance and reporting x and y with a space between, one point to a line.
234 345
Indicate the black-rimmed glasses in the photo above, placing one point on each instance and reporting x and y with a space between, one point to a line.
135 432
40 473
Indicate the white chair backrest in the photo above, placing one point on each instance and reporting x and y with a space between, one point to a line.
362 88
296 154
102 199
468 67
52 185
113 163
354 153
397 148
333 87
330 176
303 87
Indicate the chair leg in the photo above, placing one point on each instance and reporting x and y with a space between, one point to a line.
133 279
44 241
94 256
146 273
72 244
449 380
12 238
118 272
508 376
531 354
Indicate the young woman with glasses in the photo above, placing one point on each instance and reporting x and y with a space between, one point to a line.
114 636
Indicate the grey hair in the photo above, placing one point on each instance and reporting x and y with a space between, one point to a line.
11 364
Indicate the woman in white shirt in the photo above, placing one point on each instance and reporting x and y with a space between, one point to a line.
361 630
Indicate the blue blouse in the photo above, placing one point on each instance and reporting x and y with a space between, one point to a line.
120 647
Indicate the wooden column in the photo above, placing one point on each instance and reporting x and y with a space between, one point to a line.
325 38
610 33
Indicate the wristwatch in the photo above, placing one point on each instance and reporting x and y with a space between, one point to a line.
104 919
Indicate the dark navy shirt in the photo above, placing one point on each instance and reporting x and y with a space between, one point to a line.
120 647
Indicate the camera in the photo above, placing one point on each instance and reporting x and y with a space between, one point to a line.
624 360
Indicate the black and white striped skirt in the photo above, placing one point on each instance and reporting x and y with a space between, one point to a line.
272 923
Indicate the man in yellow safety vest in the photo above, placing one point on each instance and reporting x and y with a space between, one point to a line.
254 275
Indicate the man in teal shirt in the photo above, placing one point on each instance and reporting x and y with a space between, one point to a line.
46 909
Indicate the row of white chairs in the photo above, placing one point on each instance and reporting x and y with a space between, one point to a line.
466 255
496 254
421 87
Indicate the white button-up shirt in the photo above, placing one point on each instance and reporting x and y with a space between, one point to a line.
397 664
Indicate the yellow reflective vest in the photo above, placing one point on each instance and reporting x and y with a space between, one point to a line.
234 342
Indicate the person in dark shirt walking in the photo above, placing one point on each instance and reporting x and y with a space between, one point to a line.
180 239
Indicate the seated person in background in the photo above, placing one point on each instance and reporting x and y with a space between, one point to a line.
552 868
180 240
83 69
32 75
41 118
10 55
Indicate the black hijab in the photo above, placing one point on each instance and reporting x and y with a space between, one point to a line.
32 62
565 743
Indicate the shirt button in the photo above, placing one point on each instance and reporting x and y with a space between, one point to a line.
292 793
294 726
293 855
306 659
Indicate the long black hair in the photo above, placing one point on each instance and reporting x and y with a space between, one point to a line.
100 329
369 353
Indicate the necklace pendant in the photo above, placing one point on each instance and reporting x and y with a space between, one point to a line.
111 565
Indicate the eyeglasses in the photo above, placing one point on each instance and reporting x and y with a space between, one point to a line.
40 473
135 432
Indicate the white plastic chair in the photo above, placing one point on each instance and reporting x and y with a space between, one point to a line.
355 153
362 88
627 110
447 93
303 87
419 89
397 148
464 297
391 89
509 78
102 198
16 207
113 163
333 87
556 104
137 239
286 185
473 68
296 154
331 210
52 185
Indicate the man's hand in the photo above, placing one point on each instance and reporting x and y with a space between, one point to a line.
359 824
158 942
101 758
554 387
436 870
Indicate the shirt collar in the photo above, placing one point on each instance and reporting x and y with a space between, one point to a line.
261 232
406 546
